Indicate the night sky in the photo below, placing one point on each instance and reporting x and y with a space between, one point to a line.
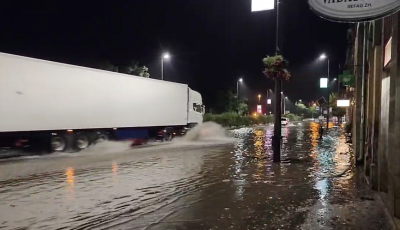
212 42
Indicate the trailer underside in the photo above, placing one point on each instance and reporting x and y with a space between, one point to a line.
76 140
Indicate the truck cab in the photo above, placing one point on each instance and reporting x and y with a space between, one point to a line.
196 109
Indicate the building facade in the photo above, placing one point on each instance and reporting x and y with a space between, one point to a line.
373 57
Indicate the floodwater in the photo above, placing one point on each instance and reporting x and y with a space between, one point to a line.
204 181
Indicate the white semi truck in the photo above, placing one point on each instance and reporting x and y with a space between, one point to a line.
58 107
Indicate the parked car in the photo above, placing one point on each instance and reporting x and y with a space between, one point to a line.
284 121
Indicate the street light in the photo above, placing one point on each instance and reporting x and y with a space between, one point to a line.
165 56
338 85
237 90
284 105
259 98
323 57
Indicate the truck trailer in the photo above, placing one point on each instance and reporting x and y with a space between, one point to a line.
52 106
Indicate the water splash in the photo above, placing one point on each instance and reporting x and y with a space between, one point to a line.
207 131
106 147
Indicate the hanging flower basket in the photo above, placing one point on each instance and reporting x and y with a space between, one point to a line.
275 68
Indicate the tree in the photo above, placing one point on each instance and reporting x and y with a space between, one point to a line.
107 65
227 102
332 99
133 68
242 108
313 110
336 111
300 108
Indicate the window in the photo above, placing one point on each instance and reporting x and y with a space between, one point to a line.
198 108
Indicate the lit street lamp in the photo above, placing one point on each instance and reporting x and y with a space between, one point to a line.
323 57
165 56
259 98
237 89
284 105
338 85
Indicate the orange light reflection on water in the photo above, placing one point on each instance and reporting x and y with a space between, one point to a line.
314 136
70 179
114 169
259 151
259 143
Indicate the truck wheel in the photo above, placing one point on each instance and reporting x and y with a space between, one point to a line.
58 144
101 138
169 136
82 141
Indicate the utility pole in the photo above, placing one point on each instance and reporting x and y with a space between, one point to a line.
276 139
338 84
327 89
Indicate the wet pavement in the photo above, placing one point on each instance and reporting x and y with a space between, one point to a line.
212 183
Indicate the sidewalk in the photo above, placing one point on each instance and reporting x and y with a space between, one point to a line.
344 200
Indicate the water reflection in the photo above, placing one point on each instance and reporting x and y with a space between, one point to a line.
259 143
309 181
114 169
70 179
205 188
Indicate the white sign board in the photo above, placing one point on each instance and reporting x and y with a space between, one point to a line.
259 109
343 103
323 83
261 5
269 101
354 10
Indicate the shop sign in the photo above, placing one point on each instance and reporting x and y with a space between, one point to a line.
354 10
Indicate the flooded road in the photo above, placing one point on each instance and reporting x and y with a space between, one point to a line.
211 183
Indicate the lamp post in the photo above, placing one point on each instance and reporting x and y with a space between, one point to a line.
259 99
323 57
258 5
284 105
164 57
237 89
315 110
338 85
